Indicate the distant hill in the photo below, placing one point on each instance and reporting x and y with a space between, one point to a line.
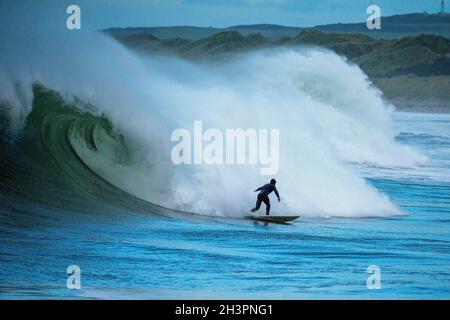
218 44
223 43
186 32
270 31
423 55
350 45
396 26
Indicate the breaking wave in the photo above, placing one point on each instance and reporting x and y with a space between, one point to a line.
100 112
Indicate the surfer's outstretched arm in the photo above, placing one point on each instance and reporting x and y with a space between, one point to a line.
276 193
259 189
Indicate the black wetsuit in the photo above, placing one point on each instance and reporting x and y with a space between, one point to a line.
263 196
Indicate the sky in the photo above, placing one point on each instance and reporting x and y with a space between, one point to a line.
99 14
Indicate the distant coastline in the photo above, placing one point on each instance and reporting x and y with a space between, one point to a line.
396 26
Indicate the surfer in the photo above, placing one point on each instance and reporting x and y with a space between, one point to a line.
263 195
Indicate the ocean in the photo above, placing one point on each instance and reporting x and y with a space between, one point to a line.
143 253
87 183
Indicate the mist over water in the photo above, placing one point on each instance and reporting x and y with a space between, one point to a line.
328 114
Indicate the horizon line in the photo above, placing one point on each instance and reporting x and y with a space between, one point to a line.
270 24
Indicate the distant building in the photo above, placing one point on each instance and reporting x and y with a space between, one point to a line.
442 6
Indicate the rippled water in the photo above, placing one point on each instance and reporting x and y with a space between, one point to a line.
125 254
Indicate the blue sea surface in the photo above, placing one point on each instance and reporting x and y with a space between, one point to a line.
131 255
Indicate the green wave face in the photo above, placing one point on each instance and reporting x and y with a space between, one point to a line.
81 152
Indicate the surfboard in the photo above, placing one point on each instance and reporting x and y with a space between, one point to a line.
272 219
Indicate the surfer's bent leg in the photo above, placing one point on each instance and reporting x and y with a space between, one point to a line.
267 203
258 204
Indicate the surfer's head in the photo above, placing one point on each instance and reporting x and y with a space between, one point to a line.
273 181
